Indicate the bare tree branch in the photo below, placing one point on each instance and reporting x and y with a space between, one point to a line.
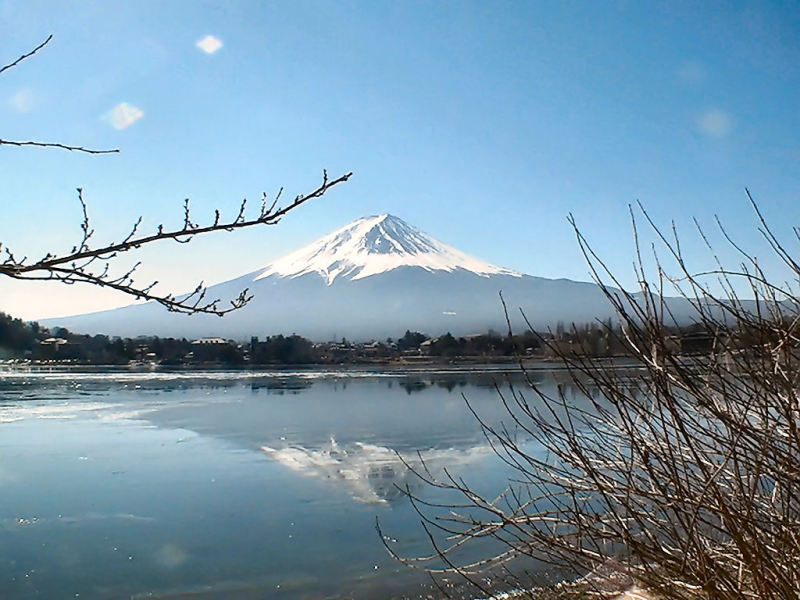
26 55
71 148
82 263
90 264
57 145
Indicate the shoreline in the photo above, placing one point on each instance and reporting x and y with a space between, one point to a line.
399 367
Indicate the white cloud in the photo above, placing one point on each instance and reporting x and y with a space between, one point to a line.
123 115
22 101
209 44
715 122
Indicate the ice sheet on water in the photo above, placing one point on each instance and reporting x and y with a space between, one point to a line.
78 378
11 413
36 521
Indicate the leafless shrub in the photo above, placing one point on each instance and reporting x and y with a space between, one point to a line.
683 471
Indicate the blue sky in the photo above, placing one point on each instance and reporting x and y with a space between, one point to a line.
482 123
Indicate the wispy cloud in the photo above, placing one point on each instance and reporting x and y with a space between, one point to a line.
209 44
123 115
692 72
171 556
715 123
22 102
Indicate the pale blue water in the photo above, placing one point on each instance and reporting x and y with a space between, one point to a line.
227 484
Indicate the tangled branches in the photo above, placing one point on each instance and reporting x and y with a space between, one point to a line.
682 470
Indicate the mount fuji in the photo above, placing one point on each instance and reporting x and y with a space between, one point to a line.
374 278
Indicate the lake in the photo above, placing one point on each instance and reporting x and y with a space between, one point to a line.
234 484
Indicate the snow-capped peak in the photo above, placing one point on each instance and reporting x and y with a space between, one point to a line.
373 245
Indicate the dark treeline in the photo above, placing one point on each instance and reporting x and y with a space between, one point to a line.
21 340
30 341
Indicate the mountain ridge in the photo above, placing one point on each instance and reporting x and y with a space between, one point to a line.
373 278
372 245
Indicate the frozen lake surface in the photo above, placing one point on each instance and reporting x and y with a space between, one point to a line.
228 484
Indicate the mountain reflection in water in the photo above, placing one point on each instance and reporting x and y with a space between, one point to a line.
372 474
230 484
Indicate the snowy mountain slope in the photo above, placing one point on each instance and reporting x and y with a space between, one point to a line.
373 245
372 279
